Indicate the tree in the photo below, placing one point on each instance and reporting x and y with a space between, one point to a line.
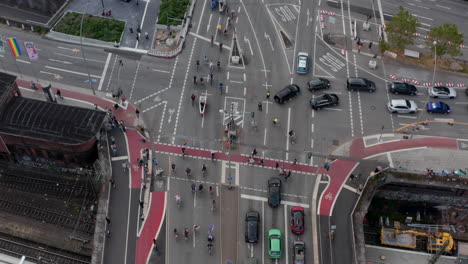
448 40
401 29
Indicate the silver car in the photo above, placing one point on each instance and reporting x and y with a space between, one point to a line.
402 106
442 92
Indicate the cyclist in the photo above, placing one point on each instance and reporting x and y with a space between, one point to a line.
176 234
33 85
218 64
194 79
205 59
178 199
200 187
188 171
275 121
196 228
173 167
212 40
253 124
201 80
193 98
219 27
204 168
186 233
225 31
198 63
193 187
213 155
221 85
291 133
211 78
183 150
213 204
211 64
210 238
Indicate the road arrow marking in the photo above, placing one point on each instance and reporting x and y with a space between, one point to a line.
246 40
269 39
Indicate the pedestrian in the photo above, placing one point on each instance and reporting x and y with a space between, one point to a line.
147 153
287 175
137 112
194 79
359 48
351 177
112 182
268 95
370 45
108 233
116 106
295 161
227 10
121 62
146 35
260 106
125 165
59 94
193 98
155 161
112 138
108 220
156 248
254 152
276 165
131 30
262 162
173 166
220 47
95 107
124 99
360 187
142 204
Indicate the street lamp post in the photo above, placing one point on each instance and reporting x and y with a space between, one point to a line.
435 61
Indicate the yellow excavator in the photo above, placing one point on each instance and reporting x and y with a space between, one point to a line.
435 241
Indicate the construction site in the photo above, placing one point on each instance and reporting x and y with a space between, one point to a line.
415 213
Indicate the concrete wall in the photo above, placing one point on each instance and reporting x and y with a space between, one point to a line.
43 7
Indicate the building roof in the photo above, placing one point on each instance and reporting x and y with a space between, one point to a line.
48 121
7 82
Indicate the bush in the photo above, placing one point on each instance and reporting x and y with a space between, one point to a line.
100 28
384 46
171 12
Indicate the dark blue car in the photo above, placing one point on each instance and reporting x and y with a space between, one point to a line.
437 107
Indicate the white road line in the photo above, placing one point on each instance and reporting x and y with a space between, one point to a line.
104 72
332 109
443 7
425 29
403 124
23 61
461 103
142 20
160 71
223 172
76 57
311 128
295 204
347 187
444 119
237 172
424 24
119 158
59 61
235 81
411 117
135 78
428 18
390 160
74 72
252 197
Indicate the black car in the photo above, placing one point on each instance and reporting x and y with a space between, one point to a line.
252 219
357 83
287 93
402 88
466 91
324 101
298 252
317 84
274 192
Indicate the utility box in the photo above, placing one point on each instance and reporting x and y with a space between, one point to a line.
372 64
366 26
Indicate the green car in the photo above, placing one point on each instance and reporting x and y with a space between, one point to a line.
274 243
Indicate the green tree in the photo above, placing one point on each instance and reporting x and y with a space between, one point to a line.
401 29
448 40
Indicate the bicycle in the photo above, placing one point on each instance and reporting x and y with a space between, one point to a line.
253 125
186 233
213 155
183 151
176 233
204 170
212 40
200 188
193 98
178 200
218 64
194 188
213 205
173 166
276 122
211 190
198 64
210 248
195 228
221 85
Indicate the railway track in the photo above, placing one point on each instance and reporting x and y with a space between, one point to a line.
41 214
52 187
38 253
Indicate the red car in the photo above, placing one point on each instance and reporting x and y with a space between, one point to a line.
297 220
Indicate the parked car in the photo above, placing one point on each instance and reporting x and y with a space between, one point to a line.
298 252
287 93
442 92
318 84
274 243
466 91
402 88
324 101
357 83
274 192
302 63
437 107
297 220
252 219
402 106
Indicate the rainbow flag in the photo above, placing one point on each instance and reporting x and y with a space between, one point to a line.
15 48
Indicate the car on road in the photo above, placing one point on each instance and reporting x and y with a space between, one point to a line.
252 220
358 83
466 91
442 92
402 88
402 106
324 100
302 63
274 243
318 84
274 192
287 93
297 220
298 252
437 107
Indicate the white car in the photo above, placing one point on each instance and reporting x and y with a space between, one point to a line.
302 62
402 106
442 92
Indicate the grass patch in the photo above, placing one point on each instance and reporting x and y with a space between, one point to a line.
172 12
99 28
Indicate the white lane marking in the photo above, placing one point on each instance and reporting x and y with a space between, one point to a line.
74 72
425 29
252 197
288 129
444 119
311 128
119 158
349 188
76 57
332 109
209 24
143 20
104 72
402 116
446 7
461 103
237 172
223 172
135 78
390 160
160 71
394 151
59 61
424 24
428 18
295 204
23 61
403 124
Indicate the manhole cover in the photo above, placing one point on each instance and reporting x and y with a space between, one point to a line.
335 142
372 107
